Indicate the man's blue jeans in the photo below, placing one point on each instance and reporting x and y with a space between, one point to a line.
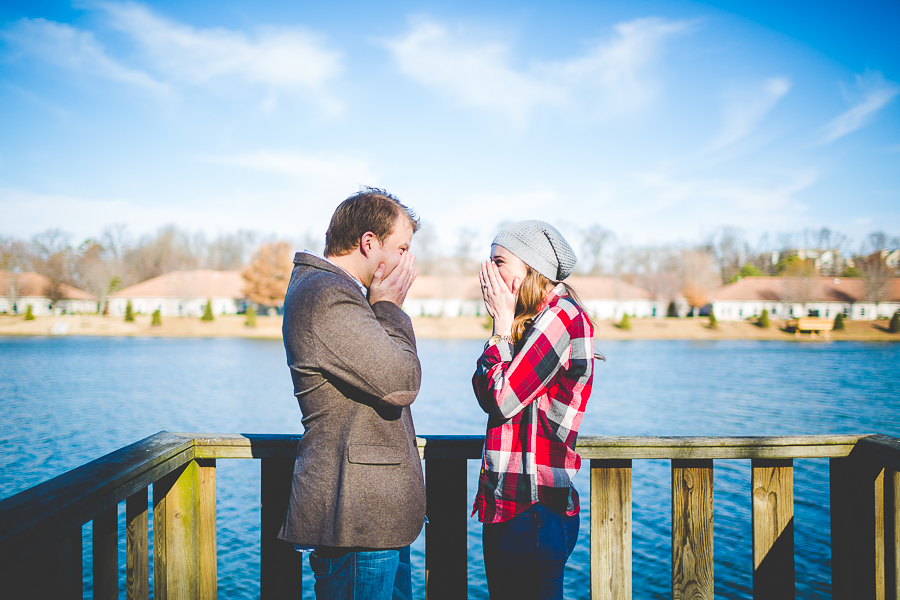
525 557
361 574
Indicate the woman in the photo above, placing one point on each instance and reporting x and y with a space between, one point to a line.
533 380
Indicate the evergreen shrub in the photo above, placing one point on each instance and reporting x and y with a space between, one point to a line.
763 321
156 320
625 323
29 314
207 312
713 322
672 311
250 316
839 321
894 326
129 313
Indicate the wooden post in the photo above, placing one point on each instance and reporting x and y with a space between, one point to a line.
772 493
106 554
692 529
446 550
892 528
610 529
853 526
281 567
137 578
886 538
184 533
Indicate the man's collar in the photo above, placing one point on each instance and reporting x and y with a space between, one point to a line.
362 288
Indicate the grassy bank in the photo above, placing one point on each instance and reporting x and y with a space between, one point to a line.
426 327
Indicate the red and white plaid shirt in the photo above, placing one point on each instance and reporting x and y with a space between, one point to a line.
535 401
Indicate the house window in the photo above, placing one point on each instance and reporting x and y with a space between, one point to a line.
654 311
846 312
740 312
827 312
813 312
862 311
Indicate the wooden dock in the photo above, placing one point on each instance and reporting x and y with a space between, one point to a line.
41 543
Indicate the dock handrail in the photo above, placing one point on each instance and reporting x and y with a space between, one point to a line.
41 542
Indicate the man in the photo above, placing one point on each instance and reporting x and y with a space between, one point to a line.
358 495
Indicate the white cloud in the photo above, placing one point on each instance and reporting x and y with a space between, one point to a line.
328 176
747 109
481 74
876 93
73 49
284 59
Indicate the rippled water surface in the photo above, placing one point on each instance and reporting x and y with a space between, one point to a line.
65 401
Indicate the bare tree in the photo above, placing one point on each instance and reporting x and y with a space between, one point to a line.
97 270
875 273
594 240
14 258
230 252
54 259
725 246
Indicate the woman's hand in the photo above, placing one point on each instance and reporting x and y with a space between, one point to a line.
499 299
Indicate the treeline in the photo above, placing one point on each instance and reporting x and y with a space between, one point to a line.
114 259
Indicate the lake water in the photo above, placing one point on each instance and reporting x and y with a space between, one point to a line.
65 401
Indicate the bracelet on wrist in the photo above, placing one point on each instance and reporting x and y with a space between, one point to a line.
496 339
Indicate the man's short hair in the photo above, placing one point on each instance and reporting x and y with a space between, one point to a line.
370 209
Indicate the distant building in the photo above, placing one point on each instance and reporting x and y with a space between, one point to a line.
786 297
460 296
183 294
21 289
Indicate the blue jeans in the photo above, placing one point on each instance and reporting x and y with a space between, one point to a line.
526 556
361 573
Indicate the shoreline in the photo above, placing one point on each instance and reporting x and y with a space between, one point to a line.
268 327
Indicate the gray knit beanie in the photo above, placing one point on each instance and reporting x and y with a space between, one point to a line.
540 246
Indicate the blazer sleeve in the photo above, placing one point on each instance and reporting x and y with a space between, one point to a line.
372 348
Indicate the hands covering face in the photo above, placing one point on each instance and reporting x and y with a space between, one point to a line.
499 299
393 286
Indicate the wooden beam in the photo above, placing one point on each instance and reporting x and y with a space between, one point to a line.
446 548
106 555
589 447
692 529
281 567
183 524
137 560
853 525
611 529
772 493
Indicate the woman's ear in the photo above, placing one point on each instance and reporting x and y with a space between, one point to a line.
516 283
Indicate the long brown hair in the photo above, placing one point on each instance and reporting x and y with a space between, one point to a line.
530 297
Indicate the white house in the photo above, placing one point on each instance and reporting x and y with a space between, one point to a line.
787 297
460 296
23 289
183 294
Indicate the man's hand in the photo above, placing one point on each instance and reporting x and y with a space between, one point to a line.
393 286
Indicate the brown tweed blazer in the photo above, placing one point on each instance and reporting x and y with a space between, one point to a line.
358 478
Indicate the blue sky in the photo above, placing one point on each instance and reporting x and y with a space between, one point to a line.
661 121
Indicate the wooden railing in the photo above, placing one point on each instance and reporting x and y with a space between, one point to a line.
41 542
